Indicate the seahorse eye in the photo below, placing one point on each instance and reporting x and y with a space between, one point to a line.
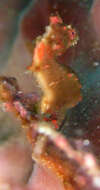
72 34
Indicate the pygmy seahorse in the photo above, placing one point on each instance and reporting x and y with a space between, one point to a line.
60 87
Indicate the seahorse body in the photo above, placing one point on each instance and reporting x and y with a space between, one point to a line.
60 88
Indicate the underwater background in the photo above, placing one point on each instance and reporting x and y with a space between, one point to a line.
20 23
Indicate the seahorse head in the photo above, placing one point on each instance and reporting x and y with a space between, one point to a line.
61 36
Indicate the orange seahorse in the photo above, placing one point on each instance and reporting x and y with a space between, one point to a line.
60 87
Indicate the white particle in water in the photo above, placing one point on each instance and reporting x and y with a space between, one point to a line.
86 142
98 127
95 64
